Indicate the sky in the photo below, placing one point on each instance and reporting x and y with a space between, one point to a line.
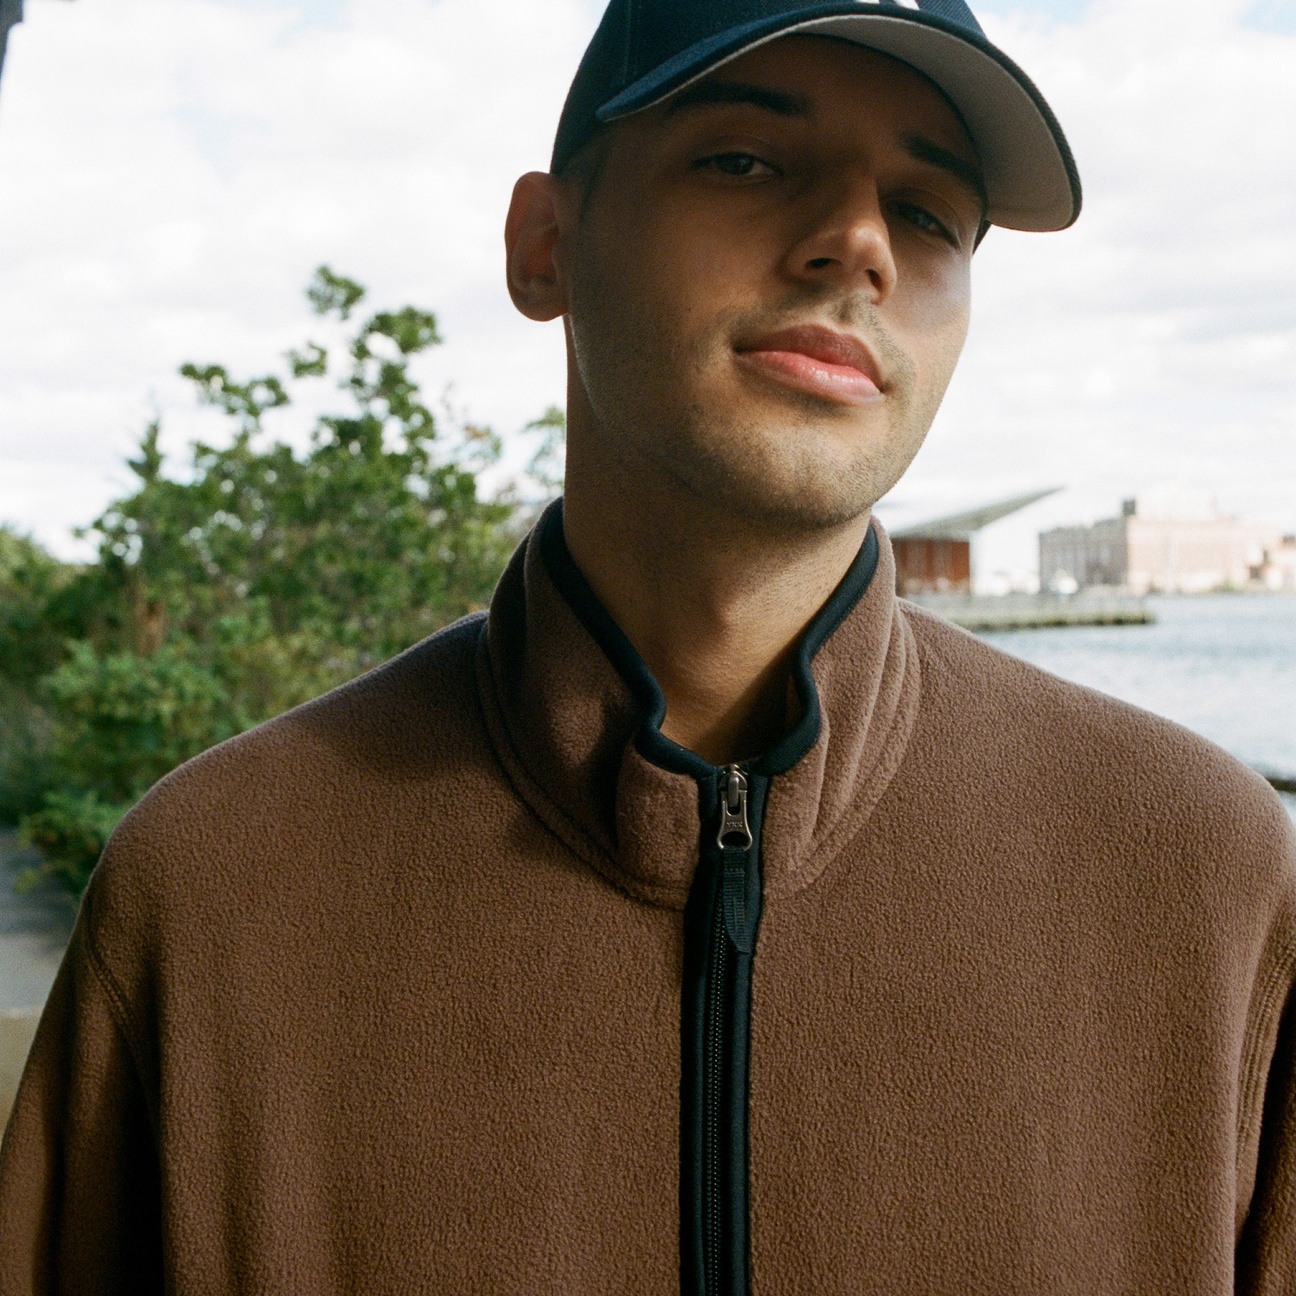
172 171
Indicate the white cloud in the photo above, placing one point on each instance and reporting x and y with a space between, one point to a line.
172 170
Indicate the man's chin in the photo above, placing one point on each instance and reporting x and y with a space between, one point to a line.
757 480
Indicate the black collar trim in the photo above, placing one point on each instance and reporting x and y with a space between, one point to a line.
650 742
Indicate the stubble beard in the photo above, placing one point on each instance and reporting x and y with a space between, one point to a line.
791 463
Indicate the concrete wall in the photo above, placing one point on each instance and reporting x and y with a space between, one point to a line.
17 1026
1030 611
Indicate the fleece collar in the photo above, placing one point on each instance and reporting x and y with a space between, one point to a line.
576 718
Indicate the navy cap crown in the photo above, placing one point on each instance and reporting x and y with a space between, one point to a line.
637 37
656 30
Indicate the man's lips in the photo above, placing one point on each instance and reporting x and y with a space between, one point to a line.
819 361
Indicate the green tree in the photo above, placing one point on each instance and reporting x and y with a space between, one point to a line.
31 579
264 575
31 644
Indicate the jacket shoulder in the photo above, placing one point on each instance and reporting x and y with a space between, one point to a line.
1108 762
325 769
409 710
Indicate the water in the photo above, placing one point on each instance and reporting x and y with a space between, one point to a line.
1223 665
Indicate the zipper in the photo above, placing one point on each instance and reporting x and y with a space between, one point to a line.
724 912
734 821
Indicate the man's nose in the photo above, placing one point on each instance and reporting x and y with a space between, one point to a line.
847 243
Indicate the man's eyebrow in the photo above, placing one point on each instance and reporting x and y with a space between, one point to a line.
922 149
707 93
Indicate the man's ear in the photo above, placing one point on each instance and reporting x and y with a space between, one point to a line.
531 236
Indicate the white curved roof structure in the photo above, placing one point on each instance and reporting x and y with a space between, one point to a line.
962 526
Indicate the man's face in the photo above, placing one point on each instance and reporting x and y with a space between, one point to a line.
768 285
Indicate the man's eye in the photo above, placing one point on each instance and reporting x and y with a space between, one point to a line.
744 166
923 220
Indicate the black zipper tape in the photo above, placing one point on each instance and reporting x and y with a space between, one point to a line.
721 923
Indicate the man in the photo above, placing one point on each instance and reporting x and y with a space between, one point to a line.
703 918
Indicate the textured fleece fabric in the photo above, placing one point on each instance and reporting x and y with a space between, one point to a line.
384 996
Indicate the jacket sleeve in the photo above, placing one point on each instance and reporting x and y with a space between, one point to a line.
79 1182
1266 1255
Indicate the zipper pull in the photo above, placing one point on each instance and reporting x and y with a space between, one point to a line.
735 841
733 804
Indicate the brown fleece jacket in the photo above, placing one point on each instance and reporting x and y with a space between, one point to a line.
385 996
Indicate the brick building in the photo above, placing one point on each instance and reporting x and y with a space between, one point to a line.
936 557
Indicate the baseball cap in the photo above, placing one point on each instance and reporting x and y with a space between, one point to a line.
646 50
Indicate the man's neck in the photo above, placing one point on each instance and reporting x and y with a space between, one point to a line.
713 603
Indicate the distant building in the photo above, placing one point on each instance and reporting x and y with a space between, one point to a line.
936 557
1080 557
1170 541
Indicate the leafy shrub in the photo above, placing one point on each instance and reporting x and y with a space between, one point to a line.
30 645
31 632
25 739
125 720
259 578
70 830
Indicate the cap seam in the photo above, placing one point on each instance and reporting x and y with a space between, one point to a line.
629 52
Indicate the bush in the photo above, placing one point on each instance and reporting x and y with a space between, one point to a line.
25 740
123 720
31 628
70 830
31 644
258 579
